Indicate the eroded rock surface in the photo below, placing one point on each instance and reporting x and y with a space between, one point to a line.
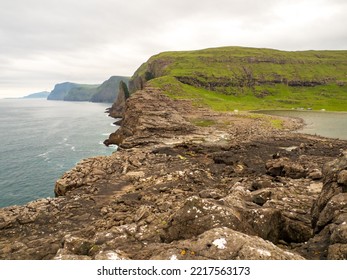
188 183
329 212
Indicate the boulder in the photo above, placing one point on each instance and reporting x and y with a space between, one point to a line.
225 244
333 184
198 215
284 167
329 212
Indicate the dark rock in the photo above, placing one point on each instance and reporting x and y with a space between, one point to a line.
261 196
261 184
285 168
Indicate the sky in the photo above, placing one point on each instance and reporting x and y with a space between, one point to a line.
45 42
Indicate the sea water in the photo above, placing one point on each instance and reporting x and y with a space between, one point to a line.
326 124
41 139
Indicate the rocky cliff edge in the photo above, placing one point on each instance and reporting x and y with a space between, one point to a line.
188 183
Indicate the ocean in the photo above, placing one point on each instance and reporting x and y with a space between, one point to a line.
41 139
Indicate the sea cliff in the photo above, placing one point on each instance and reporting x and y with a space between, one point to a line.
107 92
191 183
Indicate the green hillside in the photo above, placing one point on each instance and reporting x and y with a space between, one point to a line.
240 78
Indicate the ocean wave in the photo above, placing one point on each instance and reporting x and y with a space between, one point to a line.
63 141
45 156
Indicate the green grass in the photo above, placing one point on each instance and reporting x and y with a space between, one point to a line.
322 97
277 123
230 78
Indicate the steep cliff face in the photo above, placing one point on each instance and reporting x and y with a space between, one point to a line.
108 91
60 91
118 107
153 68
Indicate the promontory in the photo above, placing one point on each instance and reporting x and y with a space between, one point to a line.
197 177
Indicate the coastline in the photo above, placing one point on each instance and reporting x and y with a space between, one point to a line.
182 178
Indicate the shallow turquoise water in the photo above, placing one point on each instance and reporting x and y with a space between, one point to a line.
41 139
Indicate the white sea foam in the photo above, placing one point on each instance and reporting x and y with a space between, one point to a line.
45 156
63 141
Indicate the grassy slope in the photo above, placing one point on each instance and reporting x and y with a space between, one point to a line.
248 78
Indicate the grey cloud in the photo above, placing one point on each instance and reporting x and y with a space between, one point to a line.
50 41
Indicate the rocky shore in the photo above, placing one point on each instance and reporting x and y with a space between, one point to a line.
189 183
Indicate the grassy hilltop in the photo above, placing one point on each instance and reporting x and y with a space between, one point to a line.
241 78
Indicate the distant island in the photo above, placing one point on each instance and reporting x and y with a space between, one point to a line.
42 94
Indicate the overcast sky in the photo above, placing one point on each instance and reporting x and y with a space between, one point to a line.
44 42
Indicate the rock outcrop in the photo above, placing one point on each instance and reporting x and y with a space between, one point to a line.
161 120
118 107
329 211
189 183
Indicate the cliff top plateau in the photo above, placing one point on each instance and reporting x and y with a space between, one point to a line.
241 78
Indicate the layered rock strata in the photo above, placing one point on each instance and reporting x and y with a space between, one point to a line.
188 183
